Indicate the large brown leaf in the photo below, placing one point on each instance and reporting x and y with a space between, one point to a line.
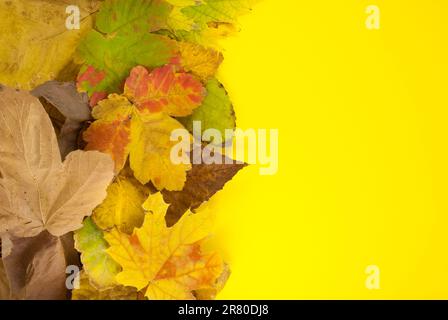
5 293
36 268
37 191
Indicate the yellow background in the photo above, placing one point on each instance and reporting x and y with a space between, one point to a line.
363 176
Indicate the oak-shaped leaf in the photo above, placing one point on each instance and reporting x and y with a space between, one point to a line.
37 190
72 105
166 263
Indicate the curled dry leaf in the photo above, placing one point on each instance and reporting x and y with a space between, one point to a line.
37 191
74 106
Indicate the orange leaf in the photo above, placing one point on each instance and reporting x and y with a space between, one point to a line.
164 90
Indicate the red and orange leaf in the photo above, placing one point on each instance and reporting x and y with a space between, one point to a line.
90 80
111 133
164 90
111 138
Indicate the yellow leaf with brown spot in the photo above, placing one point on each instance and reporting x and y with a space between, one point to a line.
169 263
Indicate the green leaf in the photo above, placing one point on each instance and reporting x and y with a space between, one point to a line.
100 268
122 40
216 112
129 17
218 10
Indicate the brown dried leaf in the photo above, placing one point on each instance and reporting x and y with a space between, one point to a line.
203 181
5 292
37 191
72 105
36 268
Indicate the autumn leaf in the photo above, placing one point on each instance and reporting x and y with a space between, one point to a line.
144 138
200 61
37 191
101 269
121 40
177 20
142 129
35 268
110 133
218 10
207 21
164 90
203 181
211 293
150 156
87 292
72 105
5 245
5 291
122 207
216 112
167 262
36 46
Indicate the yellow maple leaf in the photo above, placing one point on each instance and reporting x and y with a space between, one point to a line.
35 43
122 207
168 263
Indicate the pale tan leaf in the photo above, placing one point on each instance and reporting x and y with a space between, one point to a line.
37 190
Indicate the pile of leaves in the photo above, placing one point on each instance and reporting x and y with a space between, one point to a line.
86 179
